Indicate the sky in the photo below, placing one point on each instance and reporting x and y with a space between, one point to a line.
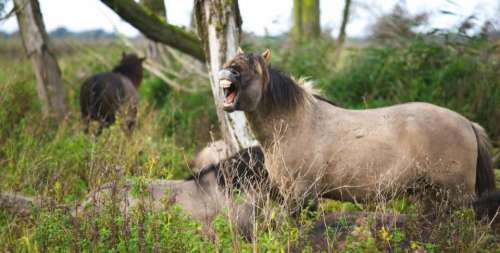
262 16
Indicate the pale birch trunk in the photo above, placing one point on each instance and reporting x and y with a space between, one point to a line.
219 27
48 75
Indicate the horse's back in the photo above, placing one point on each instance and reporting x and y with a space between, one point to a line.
399 144
103 93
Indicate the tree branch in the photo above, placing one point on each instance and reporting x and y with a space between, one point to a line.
157 29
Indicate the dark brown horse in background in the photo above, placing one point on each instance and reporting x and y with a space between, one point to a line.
105 94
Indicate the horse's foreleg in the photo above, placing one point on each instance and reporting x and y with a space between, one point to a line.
303 195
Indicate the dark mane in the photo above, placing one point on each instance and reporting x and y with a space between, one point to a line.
243 170
283 91
215 168
321 98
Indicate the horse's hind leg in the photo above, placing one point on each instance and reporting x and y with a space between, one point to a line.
99 128
107 121
304 196
86 123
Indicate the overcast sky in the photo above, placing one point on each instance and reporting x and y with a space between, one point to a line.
259 16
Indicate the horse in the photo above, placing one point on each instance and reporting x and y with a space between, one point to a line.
105 94
208 192
203 195
316 149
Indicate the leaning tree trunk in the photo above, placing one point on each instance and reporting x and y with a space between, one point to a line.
219 27
35 39
157 29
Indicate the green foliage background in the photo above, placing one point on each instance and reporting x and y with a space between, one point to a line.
42 157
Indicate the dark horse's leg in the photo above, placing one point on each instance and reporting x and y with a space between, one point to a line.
86 124
105 122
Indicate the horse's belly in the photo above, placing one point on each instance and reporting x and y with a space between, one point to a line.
442 156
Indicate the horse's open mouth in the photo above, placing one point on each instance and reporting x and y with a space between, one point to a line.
230 92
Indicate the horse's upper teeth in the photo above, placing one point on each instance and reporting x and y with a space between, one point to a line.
225 83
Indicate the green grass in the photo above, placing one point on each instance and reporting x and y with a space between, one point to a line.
56 160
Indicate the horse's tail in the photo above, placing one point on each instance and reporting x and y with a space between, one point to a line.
487 203
485 176
85 97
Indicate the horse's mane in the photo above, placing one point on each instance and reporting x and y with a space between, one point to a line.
131 69
283 91
319 97
215 168
241 171
286 92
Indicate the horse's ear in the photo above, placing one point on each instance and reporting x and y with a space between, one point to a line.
267 55
142 59
123 54
239 51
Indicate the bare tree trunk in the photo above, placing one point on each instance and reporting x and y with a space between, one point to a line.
219 27
306 20
342 32
35 39
297 28
345 20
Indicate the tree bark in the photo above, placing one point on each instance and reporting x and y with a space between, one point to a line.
342 32
157 29
306 20
36 43
343 26
297 28
156 6
155 49
219 27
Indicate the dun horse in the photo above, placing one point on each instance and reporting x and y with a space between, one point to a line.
203 195
105 94
314 148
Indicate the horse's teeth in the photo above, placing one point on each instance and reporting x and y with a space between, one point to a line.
225 83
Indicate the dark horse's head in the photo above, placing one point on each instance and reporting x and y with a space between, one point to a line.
131 66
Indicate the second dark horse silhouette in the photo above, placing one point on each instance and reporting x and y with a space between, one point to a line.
104 95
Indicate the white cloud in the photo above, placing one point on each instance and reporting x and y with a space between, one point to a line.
259 16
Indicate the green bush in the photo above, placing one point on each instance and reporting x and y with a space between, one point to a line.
40 157
459 76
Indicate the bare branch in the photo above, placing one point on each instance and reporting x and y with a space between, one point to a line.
155 28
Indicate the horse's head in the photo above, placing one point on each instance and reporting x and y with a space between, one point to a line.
243 80
131 66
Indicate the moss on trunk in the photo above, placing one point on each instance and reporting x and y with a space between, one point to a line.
306 23
156 28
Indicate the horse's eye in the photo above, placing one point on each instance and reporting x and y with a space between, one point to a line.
235 67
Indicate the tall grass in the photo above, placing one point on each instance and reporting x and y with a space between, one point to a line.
56 160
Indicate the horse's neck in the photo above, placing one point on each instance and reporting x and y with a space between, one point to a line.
270 126
134 76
